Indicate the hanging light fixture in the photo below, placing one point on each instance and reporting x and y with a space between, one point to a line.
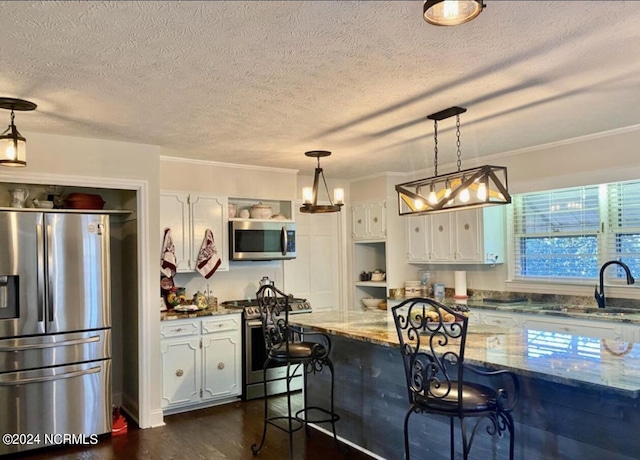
468 188
310 195
451 12
12 145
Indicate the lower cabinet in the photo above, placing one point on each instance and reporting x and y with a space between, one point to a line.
201 362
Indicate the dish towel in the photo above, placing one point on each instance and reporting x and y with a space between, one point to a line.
208 260
168 257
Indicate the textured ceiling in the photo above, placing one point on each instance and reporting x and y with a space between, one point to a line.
262 82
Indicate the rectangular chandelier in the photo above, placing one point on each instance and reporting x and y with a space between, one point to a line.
470 188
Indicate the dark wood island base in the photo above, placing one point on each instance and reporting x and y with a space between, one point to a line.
556 418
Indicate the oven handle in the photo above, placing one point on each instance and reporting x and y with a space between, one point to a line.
253 323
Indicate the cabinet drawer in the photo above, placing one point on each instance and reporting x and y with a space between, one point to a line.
179 329
221 324
499 319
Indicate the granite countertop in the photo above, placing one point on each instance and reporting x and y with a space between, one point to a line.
622 315
170 315
585 362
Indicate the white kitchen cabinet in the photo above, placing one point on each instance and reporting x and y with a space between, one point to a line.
368 220
471 236
188 215
201 362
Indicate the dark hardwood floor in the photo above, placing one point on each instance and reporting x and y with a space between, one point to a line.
219 433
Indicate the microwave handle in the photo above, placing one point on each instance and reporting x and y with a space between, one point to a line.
284 243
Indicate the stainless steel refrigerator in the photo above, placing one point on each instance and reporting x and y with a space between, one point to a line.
55 326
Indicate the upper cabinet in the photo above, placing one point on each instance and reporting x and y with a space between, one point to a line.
472 236
368 220
188 215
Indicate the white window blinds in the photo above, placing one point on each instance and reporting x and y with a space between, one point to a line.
556 234
570 233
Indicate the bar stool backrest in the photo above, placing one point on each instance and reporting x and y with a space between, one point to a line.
274 314
432 339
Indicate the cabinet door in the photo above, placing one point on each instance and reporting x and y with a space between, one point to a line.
359 221
440 242
174 214
209 212
468 235
376 221
221 365
417 237
315 274
180 371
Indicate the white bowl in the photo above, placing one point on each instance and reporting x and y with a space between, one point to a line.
44 204
371 303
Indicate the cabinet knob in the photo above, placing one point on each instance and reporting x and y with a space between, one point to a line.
466 226
417 230
359 221
375 219
179 372
179 329
220 366
440 228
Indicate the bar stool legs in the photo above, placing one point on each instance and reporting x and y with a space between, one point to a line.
302 418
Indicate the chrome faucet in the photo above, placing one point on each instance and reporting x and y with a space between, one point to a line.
600 295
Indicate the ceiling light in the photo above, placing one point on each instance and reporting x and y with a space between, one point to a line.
469 188
12 145
451 12
310 195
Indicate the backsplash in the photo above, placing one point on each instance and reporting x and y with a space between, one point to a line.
589 301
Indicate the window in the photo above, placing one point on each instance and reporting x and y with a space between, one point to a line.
569 233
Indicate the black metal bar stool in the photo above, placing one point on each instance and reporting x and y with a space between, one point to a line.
432 342
284 345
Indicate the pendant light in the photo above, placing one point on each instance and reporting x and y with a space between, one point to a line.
451 12
468 188
12 145
310 195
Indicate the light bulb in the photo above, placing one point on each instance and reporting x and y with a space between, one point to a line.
419 204
450 9
464 195
482 191
433 198
338 196
10 152
307 195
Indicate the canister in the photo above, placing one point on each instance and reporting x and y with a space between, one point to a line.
438 290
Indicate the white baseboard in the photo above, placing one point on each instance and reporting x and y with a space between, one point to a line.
347 442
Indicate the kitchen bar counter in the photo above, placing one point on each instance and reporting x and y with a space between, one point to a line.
578 399
623 315
561 358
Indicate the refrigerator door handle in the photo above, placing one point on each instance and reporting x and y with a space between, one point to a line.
36 346
49 378
49 289
40 273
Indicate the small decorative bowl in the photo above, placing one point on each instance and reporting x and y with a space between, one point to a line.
371 303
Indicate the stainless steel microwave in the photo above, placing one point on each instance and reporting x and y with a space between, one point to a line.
262 240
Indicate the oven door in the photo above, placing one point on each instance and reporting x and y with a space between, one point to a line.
255 356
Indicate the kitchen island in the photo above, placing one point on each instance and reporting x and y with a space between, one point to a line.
578 399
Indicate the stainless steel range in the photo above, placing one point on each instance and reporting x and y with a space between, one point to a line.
254 353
